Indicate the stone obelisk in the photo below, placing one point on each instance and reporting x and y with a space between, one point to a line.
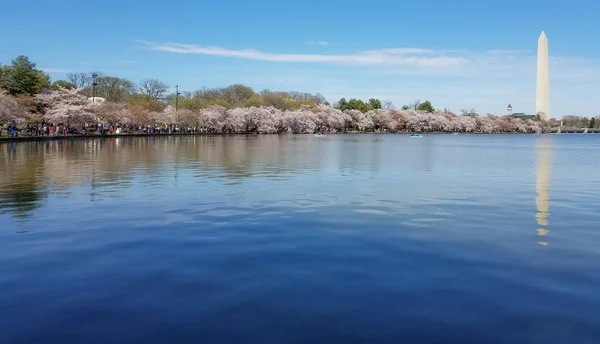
542 100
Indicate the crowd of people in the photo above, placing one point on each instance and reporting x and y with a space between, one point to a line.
11 131
49 130
41 130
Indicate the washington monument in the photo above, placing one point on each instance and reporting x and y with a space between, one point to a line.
542 99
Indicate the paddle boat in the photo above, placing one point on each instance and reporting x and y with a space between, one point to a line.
416 136
454 134
320 135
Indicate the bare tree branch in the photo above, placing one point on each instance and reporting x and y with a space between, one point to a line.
153 88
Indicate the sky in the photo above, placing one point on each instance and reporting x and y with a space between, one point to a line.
457 54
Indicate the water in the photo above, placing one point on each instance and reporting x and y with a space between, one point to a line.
297 239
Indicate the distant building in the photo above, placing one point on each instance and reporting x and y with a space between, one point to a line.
96 100
521 115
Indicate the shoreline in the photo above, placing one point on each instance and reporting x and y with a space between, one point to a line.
109 136
80 137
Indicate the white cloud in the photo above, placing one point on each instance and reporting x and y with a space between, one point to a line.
398 57
317 42
492 64
489 83
486 80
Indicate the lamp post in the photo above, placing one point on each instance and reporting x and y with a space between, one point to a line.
94 84
176 104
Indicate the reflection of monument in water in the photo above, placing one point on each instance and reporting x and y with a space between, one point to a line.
542 183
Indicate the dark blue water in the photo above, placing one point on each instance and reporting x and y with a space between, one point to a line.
297 239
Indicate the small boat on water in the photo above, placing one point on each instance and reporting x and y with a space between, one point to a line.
416 136
320 135
454 134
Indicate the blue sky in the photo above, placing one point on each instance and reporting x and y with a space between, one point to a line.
458 54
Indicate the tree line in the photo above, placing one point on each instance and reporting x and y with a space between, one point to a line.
27 94
73 109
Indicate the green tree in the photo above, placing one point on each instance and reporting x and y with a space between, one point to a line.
142 101
405 107
255 100
237 94
3 76
62 83
355 104
112 88
426 106
22 77
274 99
592 123
208 95
375 103
44 80
341 104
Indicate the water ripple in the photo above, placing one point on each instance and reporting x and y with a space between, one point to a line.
362 238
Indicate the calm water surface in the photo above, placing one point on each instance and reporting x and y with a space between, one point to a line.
297 239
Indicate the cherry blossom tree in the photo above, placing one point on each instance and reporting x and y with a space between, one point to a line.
72 108
438 122
10 111
366 122
262 120
485 124
268 120
299 122
213 118
463 124
67 107
417 121
235 120
140 115
187 118
334 119
113 113
521 126
533 126
380 118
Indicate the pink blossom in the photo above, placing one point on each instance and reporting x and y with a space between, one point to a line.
10 111
68 107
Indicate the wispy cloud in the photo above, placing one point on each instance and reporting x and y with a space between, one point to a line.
317 42
403 56
485 79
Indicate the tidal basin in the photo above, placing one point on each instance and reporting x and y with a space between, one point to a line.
299 239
